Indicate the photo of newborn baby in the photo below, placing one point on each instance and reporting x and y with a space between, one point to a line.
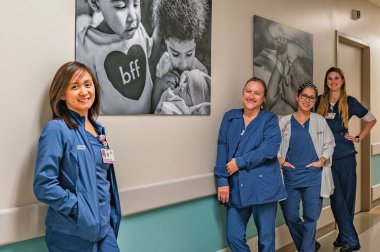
190 97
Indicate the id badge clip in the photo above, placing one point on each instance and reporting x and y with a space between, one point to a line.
103 140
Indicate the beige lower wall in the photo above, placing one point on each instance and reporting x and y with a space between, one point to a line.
375 149
375 192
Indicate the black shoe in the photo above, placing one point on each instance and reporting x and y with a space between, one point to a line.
317 246
348 248
338 244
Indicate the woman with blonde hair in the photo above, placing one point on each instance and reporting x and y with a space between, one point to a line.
338 107
247 170
74 172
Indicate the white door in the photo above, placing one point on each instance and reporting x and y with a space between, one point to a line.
349 60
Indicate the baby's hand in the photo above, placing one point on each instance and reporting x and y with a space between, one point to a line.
168 80
282 49
282 44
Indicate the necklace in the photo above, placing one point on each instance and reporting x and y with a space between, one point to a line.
332 106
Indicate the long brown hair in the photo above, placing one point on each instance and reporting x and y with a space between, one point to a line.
323 107
255 79
59 85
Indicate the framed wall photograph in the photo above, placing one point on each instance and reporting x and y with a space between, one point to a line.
283 58
149 57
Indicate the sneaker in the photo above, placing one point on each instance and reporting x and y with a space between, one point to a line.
317 246
338 244
348 248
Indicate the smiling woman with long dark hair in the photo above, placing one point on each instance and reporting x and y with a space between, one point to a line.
74 174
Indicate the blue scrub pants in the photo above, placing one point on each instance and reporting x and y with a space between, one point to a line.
60 242
302 231
264 216
343 199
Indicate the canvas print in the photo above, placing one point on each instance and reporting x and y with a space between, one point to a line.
149 56
283 58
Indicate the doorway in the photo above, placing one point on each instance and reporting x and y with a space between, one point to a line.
353 57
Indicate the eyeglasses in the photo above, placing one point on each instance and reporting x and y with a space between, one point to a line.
306 97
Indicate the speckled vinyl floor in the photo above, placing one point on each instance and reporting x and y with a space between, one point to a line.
368 226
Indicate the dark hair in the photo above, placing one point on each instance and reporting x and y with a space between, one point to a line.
59 85
180 19
255 79
308 85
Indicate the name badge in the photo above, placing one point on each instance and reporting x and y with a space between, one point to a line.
330 116
108 156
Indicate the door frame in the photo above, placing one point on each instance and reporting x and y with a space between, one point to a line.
365 93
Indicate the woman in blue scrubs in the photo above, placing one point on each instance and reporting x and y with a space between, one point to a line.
337 107
306 149
247 170
74 174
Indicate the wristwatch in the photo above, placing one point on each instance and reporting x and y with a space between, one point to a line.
357 138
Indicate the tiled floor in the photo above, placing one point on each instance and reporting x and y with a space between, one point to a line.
368 226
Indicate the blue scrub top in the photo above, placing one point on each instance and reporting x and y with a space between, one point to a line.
259 179
103 186
233 180
301 152
344 147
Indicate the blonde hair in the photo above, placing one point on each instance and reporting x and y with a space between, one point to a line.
324 105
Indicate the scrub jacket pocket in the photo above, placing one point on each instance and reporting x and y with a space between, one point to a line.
60 242
88 222
268 185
